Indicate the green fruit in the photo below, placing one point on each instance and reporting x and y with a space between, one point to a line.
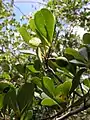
61 61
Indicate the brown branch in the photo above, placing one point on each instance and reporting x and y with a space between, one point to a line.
82 108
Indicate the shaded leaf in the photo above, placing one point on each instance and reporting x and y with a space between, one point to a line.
76 79
25 96
20 68
27 115
86 38
37 81
75 54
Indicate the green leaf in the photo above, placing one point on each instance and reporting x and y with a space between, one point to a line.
76 62
5 66
49 85
20 68
25 35
45 22
61 61
34 41
25 96
48 102
75 54
87 82
37 81
37 64
76 79
32 69
27 115
32 25
8 90
63 89
86 38
1 101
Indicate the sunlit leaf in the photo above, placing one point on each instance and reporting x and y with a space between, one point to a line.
49 85
45 22
25 35
48 102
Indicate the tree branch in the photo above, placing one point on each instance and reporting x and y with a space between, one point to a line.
82 108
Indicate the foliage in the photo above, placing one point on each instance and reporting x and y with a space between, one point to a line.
43 65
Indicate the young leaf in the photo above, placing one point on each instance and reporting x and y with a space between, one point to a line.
48 102
32 25
86 38
63 89
45 22
34 42
49 85
25 35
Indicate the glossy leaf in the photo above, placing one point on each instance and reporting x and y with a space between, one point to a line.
48 102
45 22
63 89
49 85
86 38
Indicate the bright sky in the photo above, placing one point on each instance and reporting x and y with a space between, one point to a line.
26 7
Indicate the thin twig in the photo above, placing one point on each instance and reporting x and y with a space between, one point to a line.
82 93
50 70
82 108
19 10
